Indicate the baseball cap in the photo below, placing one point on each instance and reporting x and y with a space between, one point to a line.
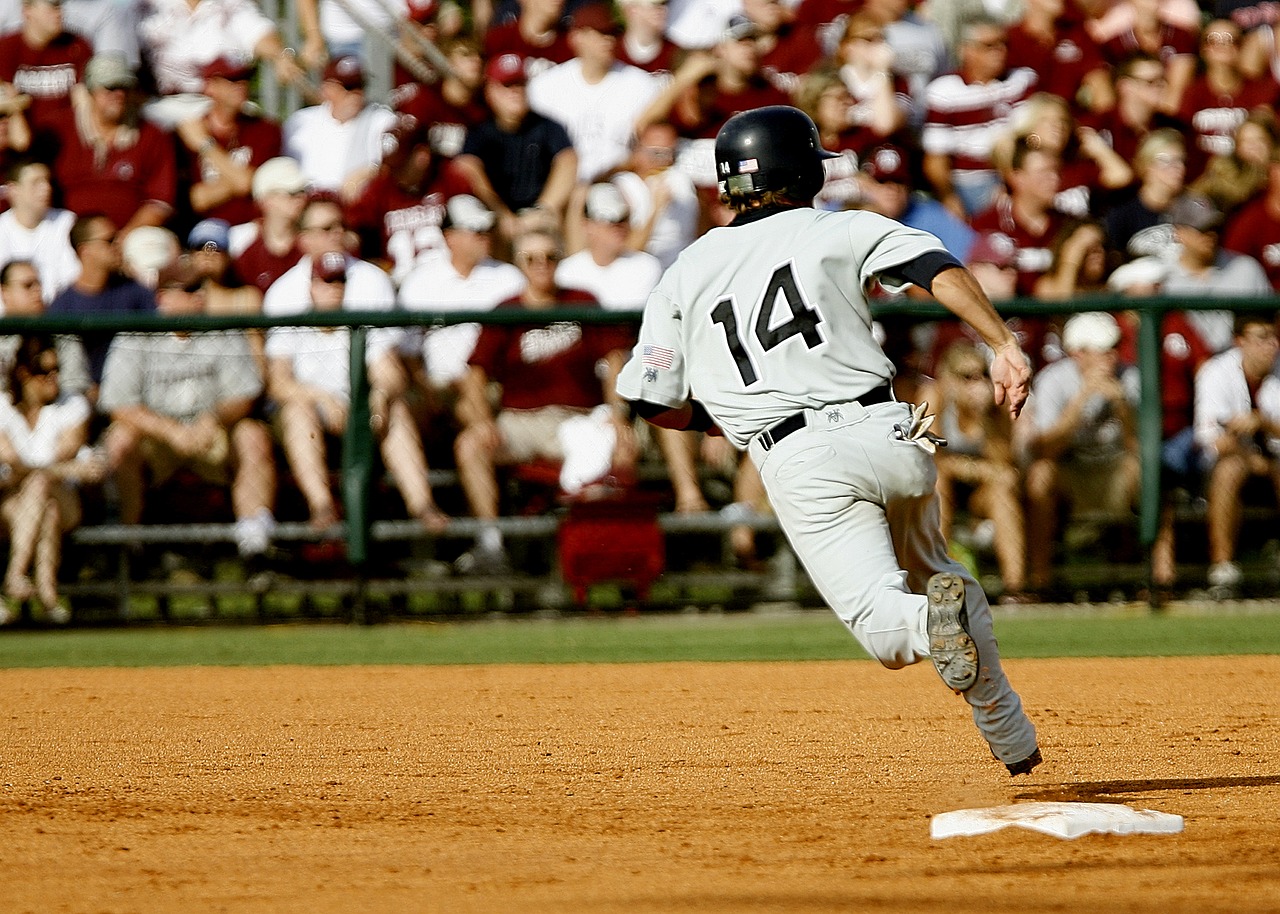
739 28
210 235
279 175
331 266
345 71
605 203
1091 331
109 71
887 164
467 213
1196 211
148 248
994 248
423 11
234 68
179 274
506 70
596 16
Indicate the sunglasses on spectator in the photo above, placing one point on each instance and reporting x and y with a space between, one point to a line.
327 227
530 258
24 284
1219 38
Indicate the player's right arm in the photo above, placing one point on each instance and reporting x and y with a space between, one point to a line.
958 292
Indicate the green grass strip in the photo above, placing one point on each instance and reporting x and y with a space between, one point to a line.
749 637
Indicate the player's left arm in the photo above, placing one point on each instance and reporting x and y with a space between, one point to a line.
956 290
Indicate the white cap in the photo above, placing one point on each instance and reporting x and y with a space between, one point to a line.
279 175
605 203
468 213
148 248
1092 331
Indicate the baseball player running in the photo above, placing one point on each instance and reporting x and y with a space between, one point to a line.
762 329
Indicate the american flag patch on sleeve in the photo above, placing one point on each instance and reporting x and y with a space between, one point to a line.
658 357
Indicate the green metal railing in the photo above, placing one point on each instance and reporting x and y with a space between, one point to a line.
359 446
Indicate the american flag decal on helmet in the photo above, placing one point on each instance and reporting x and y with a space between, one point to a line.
657 356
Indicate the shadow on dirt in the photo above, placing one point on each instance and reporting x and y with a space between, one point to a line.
1102 790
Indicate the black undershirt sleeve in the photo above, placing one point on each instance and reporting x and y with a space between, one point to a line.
923 269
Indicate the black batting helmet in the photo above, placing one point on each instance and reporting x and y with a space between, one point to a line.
774 148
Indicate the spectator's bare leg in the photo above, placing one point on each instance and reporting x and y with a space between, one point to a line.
474 452
1163 566
49 553
304 445
1225 482
679 451
1042 521
1004 507
405 459
24 513
254 488
748 489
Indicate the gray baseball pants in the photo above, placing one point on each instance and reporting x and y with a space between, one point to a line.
860 509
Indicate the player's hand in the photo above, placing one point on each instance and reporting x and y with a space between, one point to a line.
1011 378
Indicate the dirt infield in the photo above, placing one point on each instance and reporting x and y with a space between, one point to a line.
803 787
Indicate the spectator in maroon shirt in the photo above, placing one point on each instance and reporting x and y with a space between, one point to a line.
1141 87
43 60
109 159
265 249
1220 98
1150 34
399 214
643 42
712 86
1051 39
454 104
1091 171
538 35
550 384
221 149
787 50
1027 214
1255 228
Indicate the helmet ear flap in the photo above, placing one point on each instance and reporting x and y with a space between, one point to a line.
776 148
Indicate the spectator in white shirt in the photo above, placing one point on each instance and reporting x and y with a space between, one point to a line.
32 229
338 143
179 37
619 278
1237 428
595 97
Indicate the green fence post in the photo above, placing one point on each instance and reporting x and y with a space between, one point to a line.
357 465
1150 422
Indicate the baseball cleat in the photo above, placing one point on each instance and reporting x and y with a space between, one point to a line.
1025 766
952 650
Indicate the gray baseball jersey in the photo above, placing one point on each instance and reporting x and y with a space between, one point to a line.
767 318
763 319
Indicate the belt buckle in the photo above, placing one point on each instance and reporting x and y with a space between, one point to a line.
766 439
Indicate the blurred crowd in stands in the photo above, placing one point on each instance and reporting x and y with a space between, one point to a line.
534 153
